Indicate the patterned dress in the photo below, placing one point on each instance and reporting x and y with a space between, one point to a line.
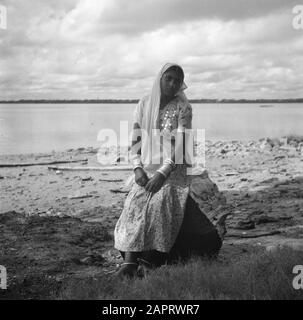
153 222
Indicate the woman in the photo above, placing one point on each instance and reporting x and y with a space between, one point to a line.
166 213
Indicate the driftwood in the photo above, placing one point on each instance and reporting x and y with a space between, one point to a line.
4 165
80 196
118 191
110 168
111 180
251 234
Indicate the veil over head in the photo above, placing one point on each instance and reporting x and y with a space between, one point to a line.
150 136
151 109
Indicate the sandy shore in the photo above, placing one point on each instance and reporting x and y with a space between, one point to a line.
57 224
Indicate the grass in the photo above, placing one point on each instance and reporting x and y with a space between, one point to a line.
258 275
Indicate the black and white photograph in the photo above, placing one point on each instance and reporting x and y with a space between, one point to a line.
151 150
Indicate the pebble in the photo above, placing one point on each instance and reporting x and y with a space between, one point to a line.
279 157
87 179
245 225
228 174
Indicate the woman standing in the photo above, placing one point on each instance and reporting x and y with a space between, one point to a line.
166 213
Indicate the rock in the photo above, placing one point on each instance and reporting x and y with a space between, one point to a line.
293 144
279 157
59 172
257 212
228 174
60 214
294 138
87 179
245 225
266 219
265 146
268 181
273 142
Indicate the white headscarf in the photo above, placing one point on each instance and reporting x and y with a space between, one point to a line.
150 112
146 115
151 108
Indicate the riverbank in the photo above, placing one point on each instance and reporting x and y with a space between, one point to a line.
57 224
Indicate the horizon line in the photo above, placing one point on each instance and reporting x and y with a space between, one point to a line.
113 100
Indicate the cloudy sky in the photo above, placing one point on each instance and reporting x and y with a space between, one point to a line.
114 48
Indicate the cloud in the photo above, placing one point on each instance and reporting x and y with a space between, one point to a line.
135 16
114 49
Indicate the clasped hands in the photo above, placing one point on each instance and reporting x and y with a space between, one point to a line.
153 184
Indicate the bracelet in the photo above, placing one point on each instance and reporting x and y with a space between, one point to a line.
138 166
165 170
136 161
162 172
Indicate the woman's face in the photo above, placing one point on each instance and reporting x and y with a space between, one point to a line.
171 83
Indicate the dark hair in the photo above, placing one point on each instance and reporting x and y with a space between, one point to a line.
178 69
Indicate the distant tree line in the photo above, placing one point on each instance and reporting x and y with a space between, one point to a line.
86 101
